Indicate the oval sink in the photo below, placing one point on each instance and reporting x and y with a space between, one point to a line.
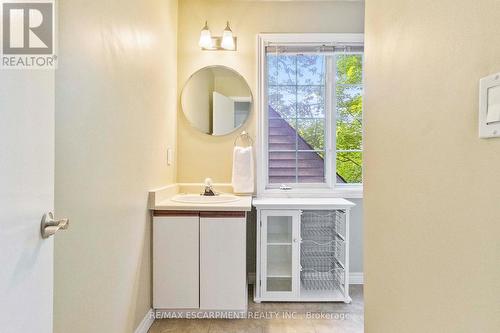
200 199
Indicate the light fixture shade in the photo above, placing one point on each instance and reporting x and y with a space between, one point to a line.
227 39
205 38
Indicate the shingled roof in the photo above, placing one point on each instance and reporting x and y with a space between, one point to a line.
282 165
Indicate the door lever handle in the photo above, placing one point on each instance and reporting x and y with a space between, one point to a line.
50 225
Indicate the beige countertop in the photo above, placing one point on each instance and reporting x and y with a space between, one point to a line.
243 204
160 199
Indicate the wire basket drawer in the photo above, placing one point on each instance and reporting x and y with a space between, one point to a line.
333 249
317 280
321 256
312 248
322 225
320 263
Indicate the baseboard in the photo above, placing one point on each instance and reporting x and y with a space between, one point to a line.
146 322
354 278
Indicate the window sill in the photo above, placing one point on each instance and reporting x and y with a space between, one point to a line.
350 191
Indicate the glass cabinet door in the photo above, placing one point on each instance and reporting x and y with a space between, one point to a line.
279 249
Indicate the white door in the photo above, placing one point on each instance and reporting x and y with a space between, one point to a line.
280 244
26 194
223 121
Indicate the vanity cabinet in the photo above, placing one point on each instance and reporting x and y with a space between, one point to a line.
302 249
199 261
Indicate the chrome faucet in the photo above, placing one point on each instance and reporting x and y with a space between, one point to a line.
208 188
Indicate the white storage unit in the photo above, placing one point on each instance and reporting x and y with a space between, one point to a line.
302 249
199 261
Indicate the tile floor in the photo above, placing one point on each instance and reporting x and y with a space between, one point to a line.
337 318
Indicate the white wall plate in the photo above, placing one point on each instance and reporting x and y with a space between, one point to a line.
489 106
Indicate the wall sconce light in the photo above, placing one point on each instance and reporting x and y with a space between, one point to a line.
217 43
205 38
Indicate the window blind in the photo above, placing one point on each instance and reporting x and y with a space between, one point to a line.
291 48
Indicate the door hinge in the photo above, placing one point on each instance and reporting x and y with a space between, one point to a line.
260 283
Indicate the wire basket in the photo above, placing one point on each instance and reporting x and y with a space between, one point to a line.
321 256
316 280
322 225
319 263
311 248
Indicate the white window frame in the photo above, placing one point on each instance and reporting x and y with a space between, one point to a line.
330 188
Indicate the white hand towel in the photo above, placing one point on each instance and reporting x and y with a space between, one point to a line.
243 176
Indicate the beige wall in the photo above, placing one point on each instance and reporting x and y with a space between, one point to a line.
115 116
247 18
229 84
432 209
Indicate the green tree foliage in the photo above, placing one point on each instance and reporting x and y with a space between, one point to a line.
313 132
349 69
349 117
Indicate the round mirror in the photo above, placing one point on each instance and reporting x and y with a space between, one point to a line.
216 100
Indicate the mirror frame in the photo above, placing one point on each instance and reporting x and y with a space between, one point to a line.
250 111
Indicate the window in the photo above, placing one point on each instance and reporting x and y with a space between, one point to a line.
311 112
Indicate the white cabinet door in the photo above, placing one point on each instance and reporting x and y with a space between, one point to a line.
280 241
223 283
176 262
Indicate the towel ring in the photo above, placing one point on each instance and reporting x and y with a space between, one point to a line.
243 136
